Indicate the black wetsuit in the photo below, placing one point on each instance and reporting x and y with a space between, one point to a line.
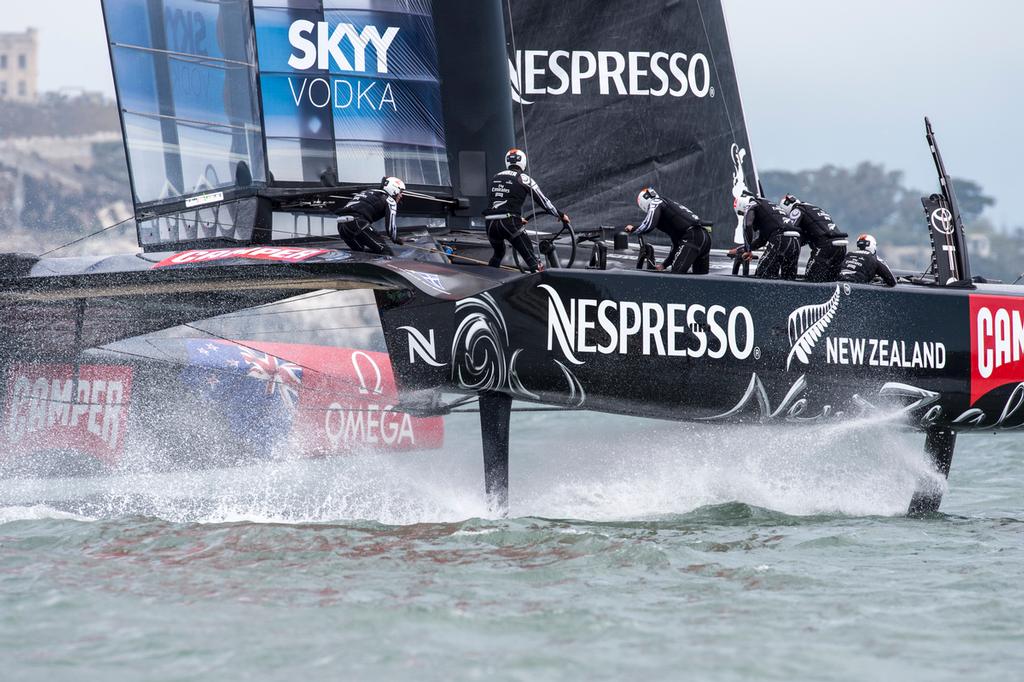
828 244
691 243
863 266
510 189
356 219
777 233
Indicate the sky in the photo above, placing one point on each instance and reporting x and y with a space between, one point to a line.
823 81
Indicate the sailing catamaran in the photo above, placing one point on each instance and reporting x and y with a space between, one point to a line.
248 122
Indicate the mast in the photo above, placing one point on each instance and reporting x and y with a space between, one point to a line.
475 96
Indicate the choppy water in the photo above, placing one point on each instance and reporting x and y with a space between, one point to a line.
635 551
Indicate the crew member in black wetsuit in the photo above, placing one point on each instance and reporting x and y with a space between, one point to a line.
509 191
775 232
818 229
691 239
356 219
863 266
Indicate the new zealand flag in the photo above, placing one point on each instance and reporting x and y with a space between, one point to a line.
257 393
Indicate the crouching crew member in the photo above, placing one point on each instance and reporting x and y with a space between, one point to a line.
356 219
691 239
862 266
828 244
509 191
775 232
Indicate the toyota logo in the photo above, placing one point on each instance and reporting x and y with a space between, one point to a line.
942 221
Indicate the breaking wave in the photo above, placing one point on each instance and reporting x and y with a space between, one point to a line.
38 512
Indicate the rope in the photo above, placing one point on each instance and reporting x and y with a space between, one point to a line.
425 249
522 108
88 236
714 65
242 345
216 370
243 316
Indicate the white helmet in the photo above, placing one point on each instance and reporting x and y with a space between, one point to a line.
644 199
394 187
866 242
789 202
516 158
743 203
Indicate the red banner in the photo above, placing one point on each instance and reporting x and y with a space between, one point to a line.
48 408
997 343
267 253
345 403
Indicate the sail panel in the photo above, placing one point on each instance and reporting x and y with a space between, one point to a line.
352 89
613 97
222 98
185 72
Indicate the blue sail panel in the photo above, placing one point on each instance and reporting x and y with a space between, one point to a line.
351 87
221 100
186 79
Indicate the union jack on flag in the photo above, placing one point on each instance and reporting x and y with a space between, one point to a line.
257 393
282 378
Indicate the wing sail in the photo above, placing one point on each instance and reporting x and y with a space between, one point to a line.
226 101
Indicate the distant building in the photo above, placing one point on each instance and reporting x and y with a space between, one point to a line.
19 66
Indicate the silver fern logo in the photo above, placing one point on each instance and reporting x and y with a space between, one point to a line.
808 324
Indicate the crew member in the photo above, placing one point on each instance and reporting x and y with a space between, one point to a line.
691 239
775 232
356 219
863 266
509 191
818 229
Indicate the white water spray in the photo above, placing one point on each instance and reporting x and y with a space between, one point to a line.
588 467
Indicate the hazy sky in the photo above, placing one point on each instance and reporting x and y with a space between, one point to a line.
822 81
842 82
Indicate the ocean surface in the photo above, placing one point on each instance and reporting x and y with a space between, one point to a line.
634 550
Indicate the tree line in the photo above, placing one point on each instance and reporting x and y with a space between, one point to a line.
871 198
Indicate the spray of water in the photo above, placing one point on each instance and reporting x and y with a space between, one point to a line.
580 467
856 468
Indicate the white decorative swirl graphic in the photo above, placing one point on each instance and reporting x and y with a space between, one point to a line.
480 345
975 418
806 326
576 393
793 407
515 383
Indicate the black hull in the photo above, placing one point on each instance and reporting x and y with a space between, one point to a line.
715 348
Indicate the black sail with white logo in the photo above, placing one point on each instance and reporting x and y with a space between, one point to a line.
612 97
